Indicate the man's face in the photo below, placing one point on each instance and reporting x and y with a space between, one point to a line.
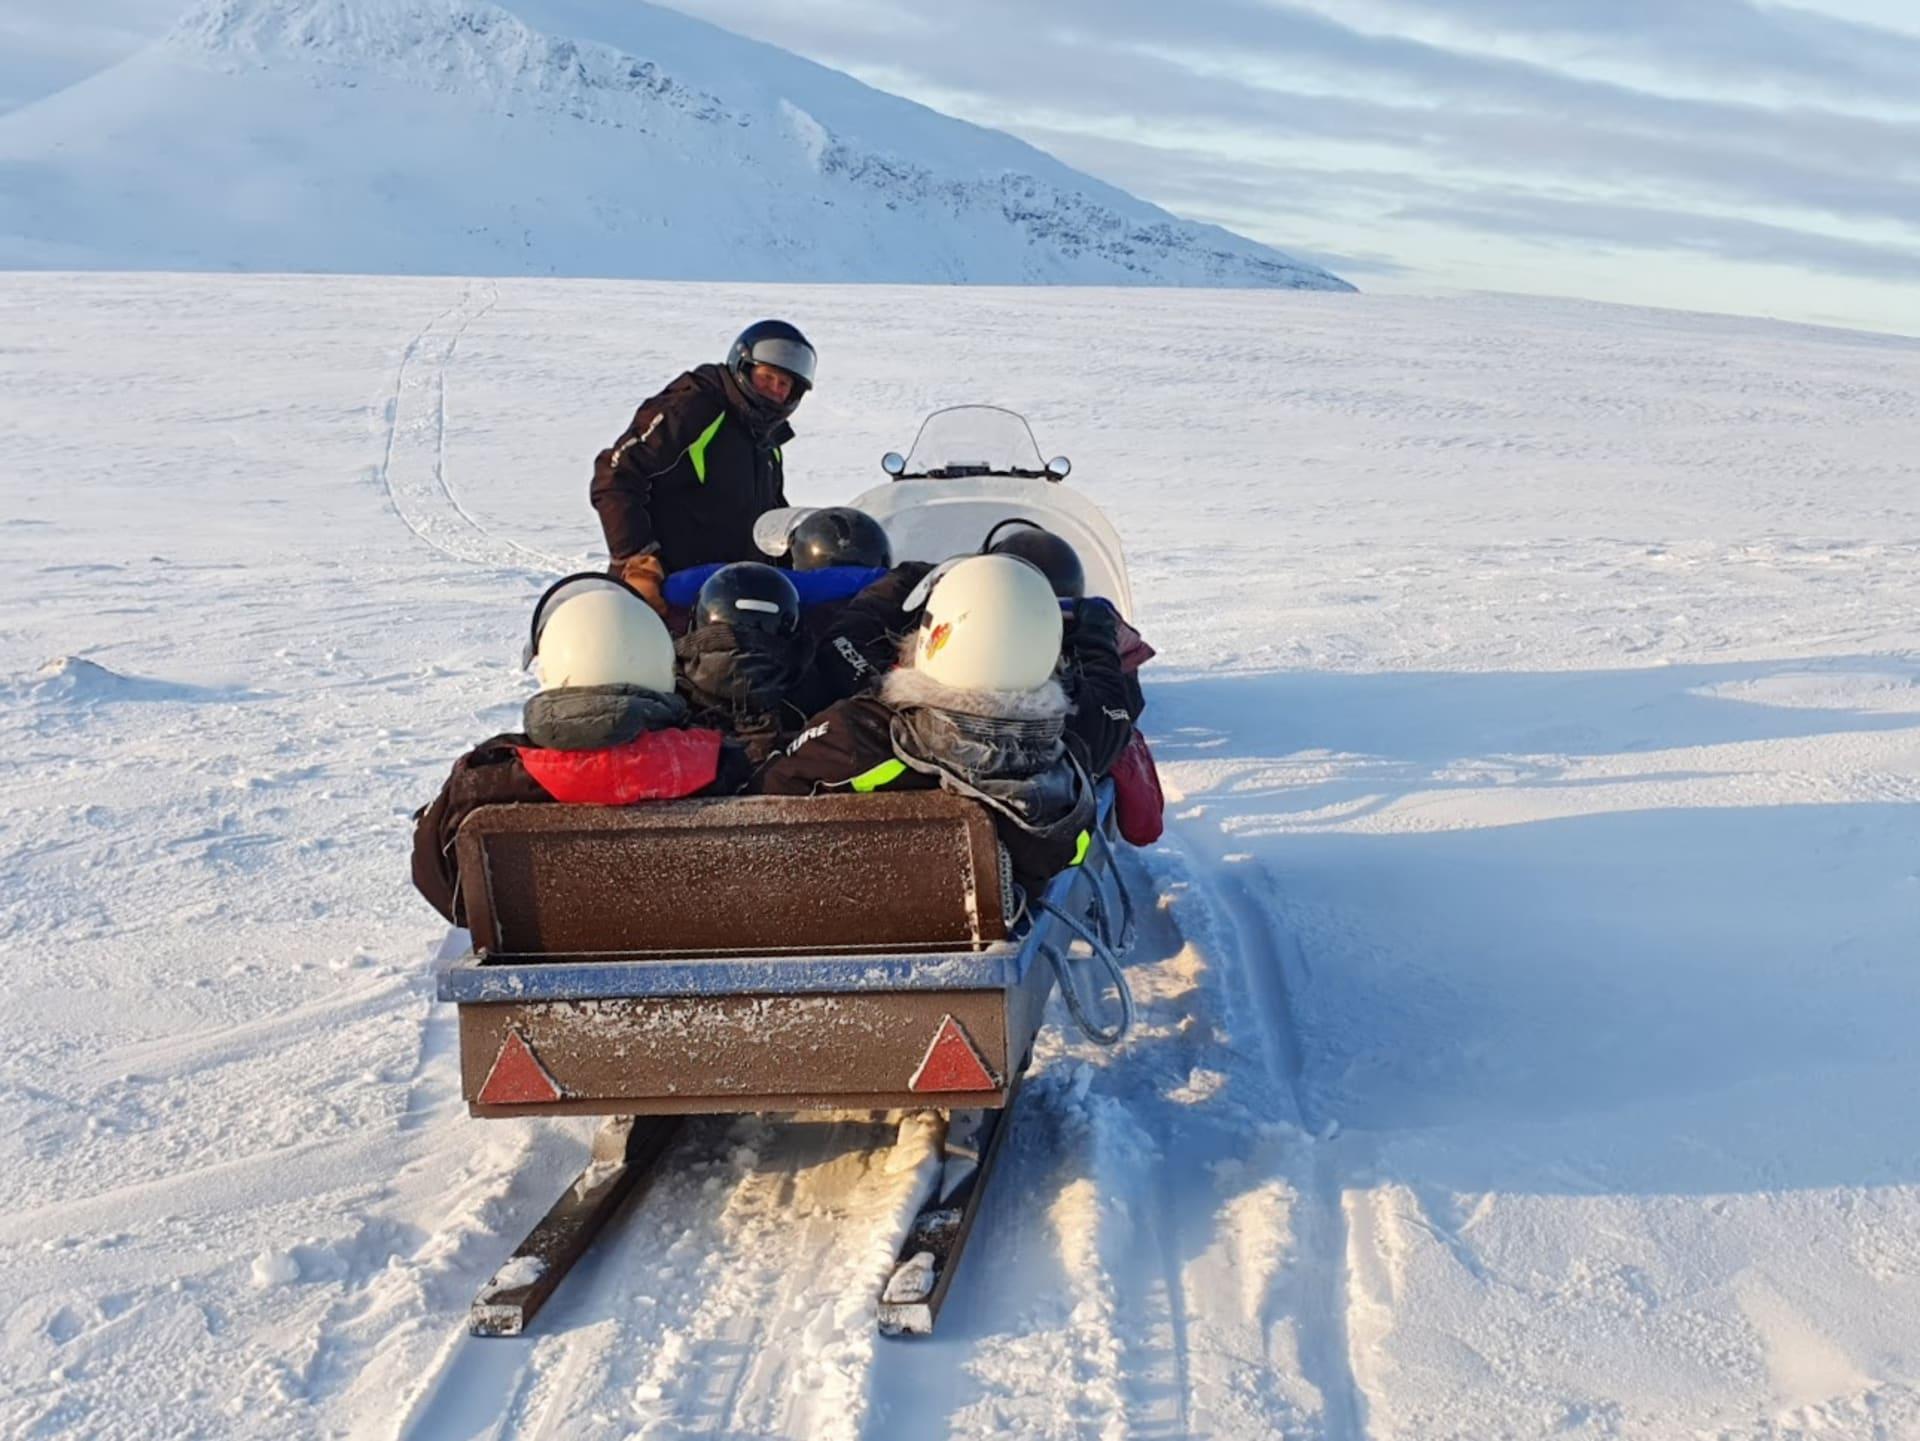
772 382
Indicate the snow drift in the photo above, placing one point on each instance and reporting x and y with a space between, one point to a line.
570 137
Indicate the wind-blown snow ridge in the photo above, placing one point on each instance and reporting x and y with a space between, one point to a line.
77 680
556 137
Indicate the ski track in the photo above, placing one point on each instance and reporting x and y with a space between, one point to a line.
677 1323
1269 961
1233 1325
414 469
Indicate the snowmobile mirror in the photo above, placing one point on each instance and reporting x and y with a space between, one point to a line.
894 464
1059 468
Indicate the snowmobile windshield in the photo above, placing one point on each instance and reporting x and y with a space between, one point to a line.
974 440
563 589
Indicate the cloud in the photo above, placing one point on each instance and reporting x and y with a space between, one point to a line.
1647 228
1278 72
1711 127
1730 41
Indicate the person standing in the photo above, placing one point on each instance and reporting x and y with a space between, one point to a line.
702 461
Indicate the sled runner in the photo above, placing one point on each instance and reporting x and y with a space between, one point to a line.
791 955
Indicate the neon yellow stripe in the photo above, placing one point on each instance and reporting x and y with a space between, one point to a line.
697 452
1081 847
880 775
776 452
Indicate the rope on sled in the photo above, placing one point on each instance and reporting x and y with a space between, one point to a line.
1103 944
1069 990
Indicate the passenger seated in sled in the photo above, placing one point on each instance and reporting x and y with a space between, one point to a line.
864 642
605 729
834 553
1102 655
975 707
746 665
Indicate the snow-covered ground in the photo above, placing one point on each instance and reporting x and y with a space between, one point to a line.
1527 1016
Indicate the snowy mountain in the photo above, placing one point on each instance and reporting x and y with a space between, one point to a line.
571 137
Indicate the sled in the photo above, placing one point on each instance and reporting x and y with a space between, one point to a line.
870 955
759 953
776 954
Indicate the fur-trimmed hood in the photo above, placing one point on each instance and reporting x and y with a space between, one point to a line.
1005 748
905 687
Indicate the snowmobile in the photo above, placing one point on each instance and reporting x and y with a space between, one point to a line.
773 954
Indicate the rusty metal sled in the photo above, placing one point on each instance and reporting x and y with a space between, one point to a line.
756 954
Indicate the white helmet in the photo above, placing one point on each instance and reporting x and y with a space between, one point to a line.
992 622
591 634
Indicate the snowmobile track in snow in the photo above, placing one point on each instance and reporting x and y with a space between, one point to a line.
735 1298
755 1231
413 467
1269 968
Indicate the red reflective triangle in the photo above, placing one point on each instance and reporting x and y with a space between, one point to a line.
952 1063
517 1077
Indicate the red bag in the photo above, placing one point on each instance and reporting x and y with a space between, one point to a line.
1134 650
1138 805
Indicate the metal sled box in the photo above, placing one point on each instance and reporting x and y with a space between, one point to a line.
749 954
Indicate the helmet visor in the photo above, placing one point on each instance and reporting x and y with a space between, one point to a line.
565 589
792 356
773 530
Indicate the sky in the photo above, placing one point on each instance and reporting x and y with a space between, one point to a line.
1728 155
1701 154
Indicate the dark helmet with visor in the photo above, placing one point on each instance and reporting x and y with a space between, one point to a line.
775 343
749 596
839 535
1042 549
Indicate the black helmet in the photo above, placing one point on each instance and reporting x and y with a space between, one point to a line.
839 535
749 596
775 343
1041 548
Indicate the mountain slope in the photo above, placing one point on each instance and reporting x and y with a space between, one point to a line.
568 137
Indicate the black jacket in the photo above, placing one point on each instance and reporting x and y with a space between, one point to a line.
1016 764
1106 700
691 475
758 689
862 641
